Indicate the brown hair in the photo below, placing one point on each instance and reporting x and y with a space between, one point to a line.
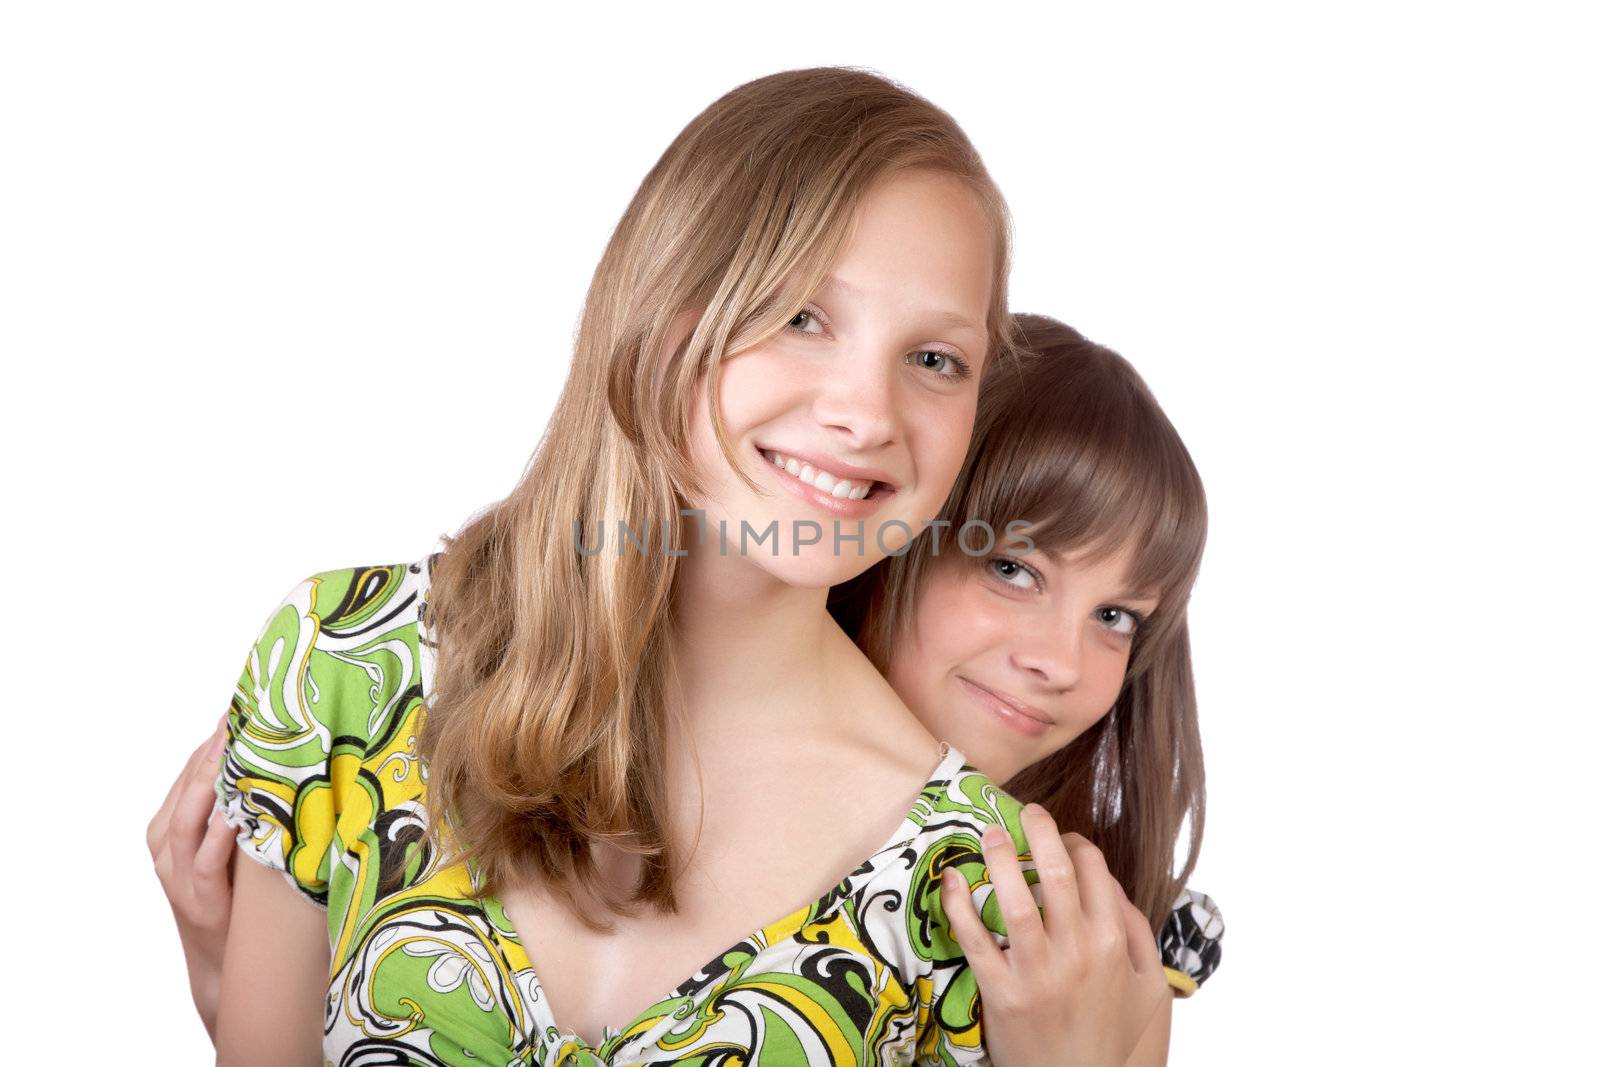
553 682
1069 438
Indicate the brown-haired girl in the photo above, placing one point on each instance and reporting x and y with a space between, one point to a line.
1057 658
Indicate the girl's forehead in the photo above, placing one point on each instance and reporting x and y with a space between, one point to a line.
913 220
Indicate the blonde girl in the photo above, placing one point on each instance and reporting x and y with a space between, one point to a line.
564 806
1071 415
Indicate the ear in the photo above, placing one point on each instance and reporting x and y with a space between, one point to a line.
682 325
678 331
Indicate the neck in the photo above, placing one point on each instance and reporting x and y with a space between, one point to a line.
766 679
753 653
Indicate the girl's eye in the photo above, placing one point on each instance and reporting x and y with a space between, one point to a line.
943 364
959 368
1119 620
802 319
1008 569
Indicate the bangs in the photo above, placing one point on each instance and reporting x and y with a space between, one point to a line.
1098 501
1074 453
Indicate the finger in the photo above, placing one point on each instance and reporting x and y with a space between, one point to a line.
1058 885
188 826
1024 926
1098 891
211 859
187 821
156 832
194 802
219 742
984 956
1142 950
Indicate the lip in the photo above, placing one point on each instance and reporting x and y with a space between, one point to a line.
1024 718
853 471
838 507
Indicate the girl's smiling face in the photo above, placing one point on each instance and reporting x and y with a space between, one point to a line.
872 384
1012 660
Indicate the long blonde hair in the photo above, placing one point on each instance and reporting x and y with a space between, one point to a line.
1069 439
545 728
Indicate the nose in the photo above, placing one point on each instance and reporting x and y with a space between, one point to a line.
856 402
1051 655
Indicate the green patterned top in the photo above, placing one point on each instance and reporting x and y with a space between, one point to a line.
322 779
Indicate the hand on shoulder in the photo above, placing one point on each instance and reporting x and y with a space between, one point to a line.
1077 984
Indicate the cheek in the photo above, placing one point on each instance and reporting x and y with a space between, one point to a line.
955 621
921 664
1107 667
748 389
703 452
744 387
943 433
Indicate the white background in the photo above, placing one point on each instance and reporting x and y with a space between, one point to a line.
292 287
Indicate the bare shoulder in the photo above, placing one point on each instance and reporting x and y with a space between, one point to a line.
274 973
882 763
883 738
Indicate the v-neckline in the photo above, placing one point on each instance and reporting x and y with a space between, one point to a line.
538 1004
533 999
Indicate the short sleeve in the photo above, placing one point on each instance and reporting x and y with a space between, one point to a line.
1191 942
955 1032
296 735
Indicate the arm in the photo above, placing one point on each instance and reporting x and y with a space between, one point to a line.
274 973
1152 1048
1191 946
191 860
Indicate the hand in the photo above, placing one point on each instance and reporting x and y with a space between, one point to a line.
191 859
1077 985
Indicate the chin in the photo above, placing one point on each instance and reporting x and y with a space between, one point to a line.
1005 770
823 572
816 565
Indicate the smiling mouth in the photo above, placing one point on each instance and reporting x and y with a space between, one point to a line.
825 481
1026 717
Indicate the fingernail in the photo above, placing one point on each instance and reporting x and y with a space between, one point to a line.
217 744
993 835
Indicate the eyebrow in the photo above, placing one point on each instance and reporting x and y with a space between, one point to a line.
937 318
1059 559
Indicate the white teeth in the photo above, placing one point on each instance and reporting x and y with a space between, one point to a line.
838 488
